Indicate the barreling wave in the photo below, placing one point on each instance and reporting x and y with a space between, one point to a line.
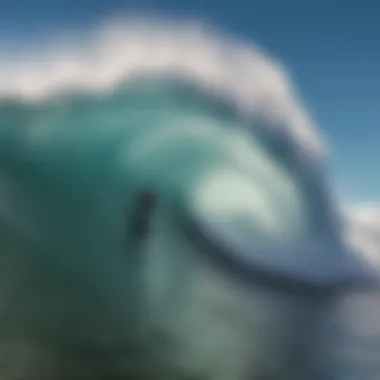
74 115
220 72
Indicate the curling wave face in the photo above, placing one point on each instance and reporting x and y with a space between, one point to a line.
214 128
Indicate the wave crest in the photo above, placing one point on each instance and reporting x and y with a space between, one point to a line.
116 51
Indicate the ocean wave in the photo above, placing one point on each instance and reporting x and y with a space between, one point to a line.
234 75
127 102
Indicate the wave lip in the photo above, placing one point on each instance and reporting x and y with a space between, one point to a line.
100 60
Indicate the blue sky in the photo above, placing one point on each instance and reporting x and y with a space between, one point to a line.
330 47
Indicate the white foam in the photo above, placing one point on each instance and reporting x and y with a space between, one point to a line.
363 231
98 60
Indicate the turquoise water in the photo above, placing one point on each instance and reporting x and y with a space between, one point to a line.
71 167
